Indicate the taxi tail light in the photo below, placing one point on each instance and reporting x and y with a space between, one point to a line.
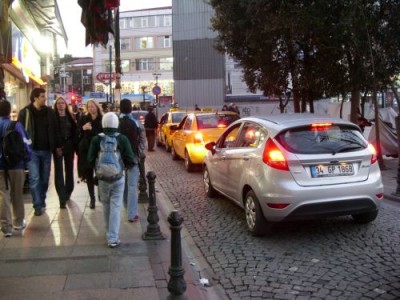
274 157
198 138
374 157
379 196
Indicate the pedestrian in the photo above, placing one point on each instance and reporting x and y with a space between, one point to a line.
105 108
111 192
12 178
40 123
150 125
232 107
89 126
197 108
224 108
64 174
134 131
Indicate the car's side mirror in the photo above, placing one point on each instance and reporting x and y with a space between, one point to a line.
211 147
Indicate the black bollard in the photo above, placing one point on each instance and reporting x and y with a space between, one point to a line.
142 198
176 284
397 193
153 229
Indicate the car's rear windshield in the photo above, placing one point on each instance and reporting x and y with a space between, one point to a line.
177 117
215 120
322 138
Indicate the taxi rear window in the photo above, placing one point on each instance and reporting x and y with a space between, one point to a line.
215 120
177 118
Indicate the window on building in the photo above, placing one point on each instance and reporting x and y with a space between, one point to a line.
145 64
145 43
167 20
166 63
86 80
122 23
144 22
165 41
125 65
130 23
136 22
125 44
152 21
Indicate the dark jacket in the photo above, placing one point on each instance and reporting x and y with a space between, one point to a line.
85 137
123 145
68 143
25 117
4 123
150 121
133 130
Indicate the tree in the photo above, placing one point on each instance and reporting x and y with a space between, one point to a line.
312 48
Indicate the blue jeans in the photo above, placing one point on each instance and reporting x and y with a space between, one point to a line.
39 173
111 196
130 191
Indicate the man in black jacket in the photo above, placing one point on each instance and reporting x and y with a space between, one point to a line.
40 123
150 124
132 129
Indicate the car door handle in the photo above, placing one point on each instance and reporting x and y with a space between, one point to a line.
223 157
245 157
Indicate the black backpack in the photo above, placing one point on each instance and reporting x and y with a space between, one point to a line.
136 134
13 148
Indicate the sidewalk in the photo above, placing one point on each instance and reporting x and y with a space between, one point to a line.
63 255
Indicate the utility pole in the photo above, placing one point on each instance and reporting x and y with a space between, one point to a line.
110 83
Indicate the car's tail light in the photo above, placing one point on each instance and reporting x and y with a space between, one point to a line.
198 138
374 157
278 205
320 126
274 157
379 196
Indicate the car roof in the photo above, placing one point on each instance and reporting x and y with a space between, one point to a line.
283 121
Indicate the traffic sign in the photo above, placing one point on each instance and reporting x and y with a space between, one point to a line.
105 77
156 90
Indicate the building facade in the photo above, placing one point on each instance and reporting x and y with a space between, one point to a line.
29 29
146 56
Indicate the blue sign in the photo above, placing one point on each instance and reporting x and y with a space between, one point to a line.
156 90
97 95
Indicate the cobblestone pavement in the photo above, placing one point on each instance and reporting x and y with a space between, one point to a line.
324 259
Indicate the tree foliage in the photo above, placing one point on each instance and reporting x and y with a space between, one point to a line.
311 48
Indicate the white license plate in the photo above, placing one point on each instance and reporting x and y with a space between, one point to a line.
343 169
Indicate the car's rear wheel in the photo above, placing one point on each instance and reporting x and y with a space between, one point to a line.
365 217
208 188
173 153
255 221
189 166
166 145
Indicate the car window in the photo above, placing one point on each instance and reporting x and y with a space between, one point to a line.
176 118
188 123
215 120
251 135
323 139
229 137
164 119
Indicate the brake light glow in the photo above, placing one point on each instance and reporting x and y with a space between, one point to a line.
320 126
221 125
374 157
198 138
274 157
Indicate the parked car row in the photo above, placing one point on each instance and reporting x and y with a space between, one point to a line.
279 168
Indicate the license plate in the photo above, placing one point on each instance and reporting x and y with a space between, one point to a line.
343 169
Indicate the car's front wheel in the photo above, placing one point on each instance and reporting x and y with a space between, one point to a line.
208 188
255 221
365 217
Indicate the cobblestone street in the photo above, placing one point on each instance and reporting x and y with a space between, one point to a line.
323 259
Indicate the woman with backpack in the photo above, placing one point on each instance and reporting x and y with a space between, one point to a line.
89 126
64 175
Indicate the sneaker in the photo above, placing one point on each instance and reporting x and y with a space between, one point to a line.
134 219
38 212
7 234
22 226
114 244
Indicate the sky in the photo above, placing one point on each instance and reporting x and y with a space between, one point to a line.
71 16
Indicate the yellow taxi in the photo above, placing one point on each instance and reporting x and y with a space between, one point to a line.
194 131
164 132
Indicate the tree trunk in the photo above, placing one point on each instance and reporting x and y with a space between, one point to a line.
355 105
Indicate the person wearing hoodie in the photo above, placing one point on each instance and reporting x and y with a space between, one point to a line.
12 179
111 193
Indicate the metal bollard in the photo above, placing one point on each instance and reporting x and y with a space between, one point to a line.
153 229
142 198
397 193
176 284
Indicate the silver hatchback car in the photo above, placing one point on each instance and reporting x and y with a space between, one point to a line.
294 167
